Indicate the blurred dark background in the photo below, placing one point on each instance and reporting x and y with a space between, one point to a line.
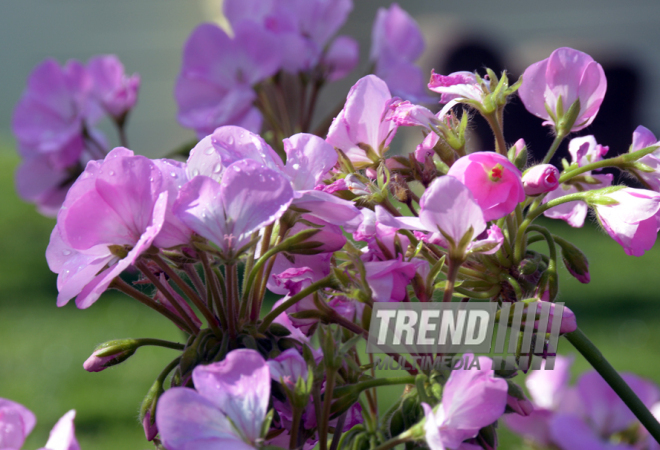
42 348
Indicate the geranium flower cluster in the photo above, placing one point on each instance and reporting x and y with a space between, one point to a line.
333 222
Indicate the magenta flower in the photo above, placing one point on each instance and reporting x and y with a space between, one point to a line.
567 74
471 400
396 43
541 178
361 130
214 86
633 220
642 138
16 423
225 410
494 182
116 92
111 215
249 197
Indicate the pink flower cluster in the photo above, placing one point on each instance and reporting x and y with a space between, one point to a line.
54 123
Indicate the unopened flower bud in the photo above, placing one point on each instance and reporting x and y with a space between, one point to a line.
576 262
148 409
516 400
518 154
540 179
110 354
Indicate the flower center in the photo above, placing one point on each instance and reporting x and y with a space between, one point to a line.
496 173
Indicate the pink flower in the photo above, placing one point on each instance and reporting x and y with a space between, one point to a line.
341 58
111 215
585 150
389 280
303 27
249 197
494 182
633 220
116 92
362 123
396 43
225 410
540 179
567 74
458 85
448 212
214 86
49 122
471 400
642 138
16 422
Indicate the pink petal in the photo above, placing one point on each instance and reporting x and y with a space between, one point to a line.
239 386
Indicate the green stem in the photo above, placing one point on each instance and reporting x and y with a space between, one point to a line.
591 353
553 279
295 427
190 293
143 298
553 148
479 295
161 343
327 404
166 292
500 145
322 283
620 162
452 272
378 382
212 282
393 442
534 213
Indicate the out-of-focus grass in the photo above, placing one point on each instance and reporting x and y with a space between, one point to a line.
42 347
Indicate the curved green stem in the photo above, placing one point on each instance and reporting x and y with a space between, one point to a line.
620 162
591 353
553 276
479 295
553 148
161 343
534 213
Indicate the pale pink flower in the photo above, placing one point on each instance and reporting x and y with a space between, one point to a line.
457 85
642 138
362 122
225 410
396 43
471 400
116 92
633 220
569 74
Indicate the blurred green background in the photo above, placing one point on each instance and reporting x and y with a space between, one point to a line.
42 347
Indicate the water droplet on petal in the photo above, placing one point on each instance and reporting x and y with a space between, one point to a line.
112 172
209 151
296 166
217 168
173 174
66 252
195 172
229 140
